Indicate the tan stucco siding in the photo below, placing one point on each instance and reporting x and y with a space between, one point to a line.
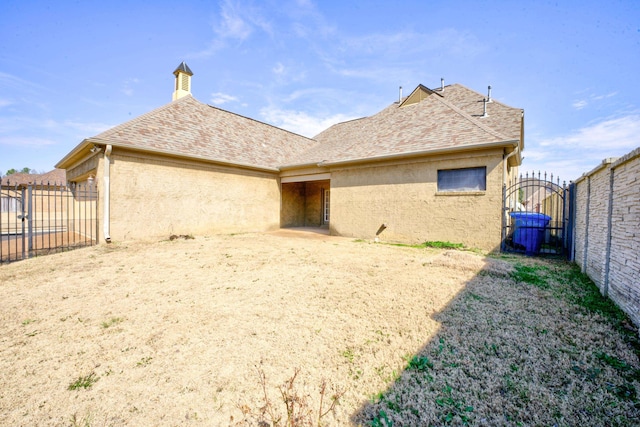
404 196
293 201
155 197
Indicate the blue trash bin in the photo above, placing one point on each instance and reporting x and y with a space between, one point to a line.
529 230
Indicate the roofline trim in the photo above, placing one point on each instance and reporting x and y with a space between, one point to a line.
181 155
413 154
71 154
298 166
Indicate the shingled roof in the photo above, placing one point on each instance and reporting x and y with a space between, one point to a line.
187 127
434 120
449 120
53 177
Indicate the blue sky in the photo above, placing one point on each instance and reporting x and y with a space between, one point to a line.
69 70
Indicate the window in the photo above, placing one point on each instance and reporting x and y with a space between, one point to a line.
469 179
325 207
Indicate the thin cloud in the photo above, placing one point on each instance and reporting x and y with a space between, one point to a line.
128 84
407 43
300 122
237 22
579 104
614 134
219 98
92 128
5 103
580 151
25 141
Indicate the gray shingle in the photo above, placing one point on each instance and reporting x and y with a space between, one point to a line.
190 128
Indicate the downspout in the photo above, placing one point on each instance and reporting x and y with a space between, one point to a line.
107 167
505 209
504 165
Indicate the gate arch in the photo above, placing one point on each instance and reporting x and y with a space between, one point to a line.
536 216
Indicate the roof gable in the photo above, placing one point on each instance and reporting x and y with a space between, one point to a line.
187 127
426 123
418 94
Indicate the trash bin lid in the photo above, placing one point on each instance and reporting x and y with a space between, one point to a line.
530 216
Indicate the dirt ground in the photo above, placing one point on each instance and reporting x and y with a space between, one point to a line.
11 245
179 332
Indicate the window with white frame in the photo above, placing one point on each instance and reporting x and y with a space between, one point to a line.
467 179
326 206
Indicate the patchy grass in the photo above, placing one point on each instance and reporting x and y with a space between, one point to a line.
425 337
84 382
434 245
541 348
113 321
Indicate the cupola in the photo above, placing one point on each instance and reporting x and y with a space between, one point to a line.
183 81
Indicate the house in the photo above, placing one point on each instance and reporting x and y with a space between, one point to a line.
430 166
14 189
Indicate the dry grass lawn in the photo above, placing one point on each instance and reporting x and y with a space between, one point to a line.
181 333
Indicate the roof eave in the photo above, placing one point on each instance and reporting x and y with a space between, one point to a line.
99 141
422 153
298 166
77 153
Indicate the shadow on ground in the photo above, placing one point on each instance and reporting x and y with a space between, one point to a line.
528 342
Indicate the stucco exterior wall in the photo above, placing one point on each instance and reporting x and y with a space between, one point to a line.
292 210
607 236
313 206
152 197
404 196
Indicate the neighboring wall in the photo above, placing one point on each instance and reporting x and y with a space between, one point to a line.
607 230
153 196
404 196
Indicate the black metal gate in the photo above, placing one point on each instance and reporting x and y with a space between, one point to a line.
537 216
37 219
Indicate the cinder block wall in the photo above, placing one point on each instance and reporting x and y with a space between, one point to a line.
404 196
607 230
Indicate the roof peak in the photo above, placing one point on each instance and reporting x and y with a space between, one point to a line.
183 67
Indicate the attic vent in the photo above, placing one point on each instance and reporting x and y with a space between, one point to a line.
185 82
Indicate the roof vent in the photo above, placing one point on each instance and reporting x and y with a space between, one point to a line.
400 95
489 95
442 84
484 103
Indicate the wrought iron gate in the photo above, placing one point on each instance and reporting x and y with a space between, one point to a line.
37 219
537 216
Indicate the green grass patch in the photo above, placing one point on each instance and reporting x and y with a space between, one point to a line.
420 364
530 275
83 382
443 245
434 245
111 322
